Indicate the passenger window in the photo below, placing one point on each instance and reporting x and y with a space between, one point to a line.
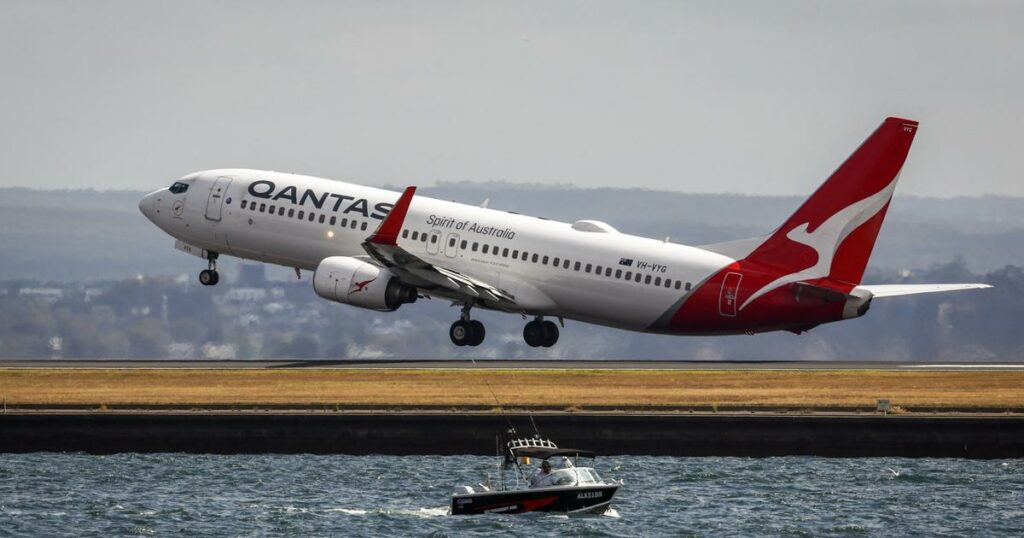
423 236
515 254
484 250
271 210
301 214
608 271
678 284
597 270
618 273
244 203
647 279
687 287
291 213
263 208
463 245
556 261
363 226
629 275
405 234
638 275
352 224
535 258
475 246
576 266
544 260
565 264
334 220
524 256
415 235
323 218
433 239
312 216
280 211
657 281
494 250
504 253
588 267
451 242
668 282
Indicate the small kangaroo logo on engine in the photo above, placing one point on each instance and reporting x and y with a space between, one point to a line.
360 286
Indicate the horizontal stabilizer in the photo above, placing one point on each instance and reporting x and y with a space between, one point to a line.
896 290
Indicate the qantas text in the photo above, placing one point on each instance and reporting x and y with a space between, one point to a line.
338 202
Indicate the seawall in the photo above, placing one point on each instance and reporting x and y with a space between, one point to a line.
754 435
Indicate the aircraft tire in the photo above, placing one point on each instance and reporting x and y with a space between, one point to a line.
207 277
461 333
533 333
550 333
477 333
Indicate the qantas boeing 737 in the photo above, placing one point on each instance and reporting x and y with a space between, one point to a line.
378 249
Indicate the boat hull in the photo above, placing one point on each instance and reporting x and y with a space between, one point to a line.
585 499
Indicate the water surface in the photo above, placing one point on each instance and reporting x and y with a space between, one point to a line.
244 495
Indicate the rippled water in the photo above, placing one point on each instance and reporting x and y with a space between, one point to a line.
190 495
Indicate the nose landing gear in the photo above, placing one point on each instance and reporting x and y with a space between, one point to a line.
540 333
210 277
467 332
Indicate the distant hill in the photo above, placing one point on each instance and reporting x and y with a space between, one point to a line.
85 235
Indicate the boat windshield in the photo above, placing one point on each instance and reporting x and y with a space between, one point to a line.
578 476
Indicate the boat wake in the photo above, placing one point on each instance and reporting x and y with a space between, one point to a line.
417 512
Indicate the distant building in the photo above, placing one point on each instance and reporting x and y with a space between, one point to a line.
252 274
245 295
46 295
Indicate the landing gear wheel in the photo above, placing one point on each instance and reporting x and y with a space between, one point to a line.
477 333
550 334
209 277
460 333
534 333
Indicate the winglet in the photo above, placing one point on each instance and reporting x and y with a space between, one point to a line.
387 232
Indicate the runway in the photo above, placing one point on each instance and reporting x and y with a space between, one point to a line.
519 364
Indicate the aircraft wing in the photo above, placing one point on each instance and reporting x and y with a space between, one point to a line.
896 290
383 247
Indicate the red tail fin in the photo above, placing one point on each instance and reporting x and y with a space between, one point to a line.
834 231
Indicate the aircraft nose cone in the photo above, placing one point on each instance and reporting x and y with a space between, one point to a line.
147 205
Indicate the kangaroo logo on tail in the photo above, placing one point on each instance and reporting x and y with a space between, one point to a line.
825 240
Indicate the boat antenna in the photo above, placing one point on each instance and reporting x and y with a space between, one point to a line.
501 408
535 429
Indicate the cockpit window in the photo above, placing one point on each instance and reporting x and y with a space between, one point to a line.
178 187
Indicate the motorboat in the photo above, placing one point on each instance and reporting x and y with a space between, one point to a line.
567 488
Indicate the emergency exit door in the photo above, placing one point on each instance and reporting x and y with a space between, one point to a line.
727 297
215 203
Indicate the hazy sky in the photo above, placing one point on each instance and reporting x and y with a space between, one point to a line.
752 97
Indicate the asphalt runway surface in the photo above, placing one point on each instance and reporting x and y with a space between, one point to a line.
539 364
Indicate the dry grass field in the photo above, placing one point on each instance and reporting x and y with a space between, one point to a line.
558 389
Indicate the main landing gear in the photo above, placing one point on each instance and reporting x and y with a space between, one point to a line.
467 332
540 332
210 277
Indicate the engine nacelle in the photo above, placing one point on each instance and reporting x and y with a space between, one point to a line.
357 283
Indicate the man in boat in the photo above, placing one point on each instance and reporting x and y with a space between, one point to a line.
541 475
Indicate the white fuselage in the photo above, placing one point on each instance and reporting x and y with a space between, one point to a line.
210 215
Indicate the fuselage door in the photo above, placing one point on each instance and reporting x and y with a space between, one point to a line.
727 297
434 242
451 245
215 203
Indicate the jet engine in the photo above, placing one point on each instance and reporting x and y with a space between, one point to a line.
354 282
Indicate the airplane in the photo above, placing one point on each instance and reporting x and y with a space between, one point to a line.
378 249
